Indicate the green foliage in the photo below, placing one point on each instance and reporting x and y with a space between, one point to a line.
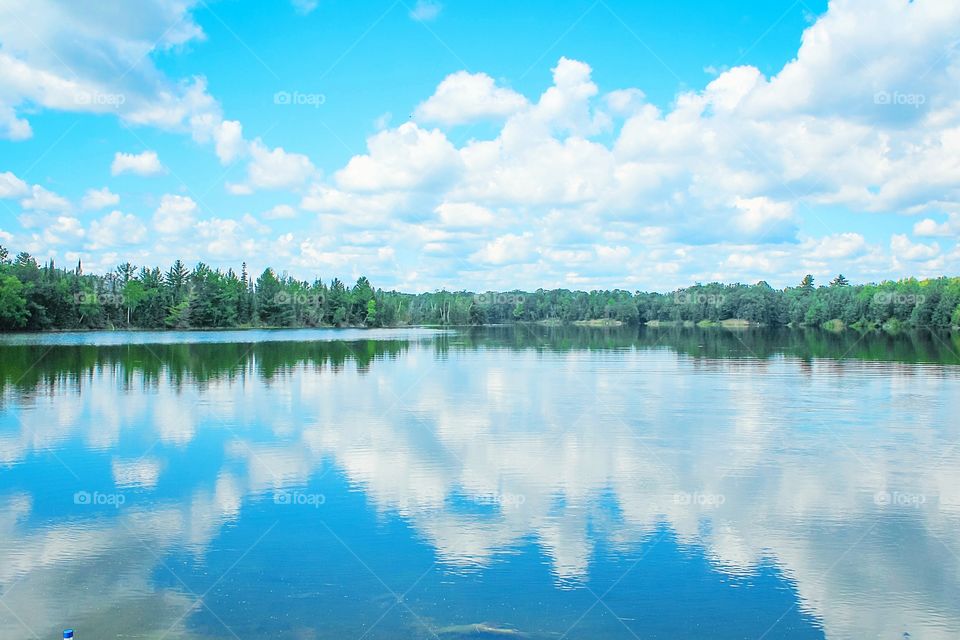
42 297
13 303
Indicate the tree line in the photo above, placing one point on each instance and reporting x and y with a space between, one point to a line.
40 297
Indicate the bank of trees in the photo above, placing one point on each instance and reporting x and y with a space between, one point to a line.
45 296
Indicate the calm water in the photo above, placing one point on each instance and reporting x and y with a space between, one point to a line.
529 483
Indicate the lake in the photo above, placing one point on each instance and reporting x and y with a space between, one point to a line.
524 482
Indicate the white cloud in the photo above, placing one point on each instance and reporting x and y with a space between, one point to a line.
838 246
761 213
229 141
239 189
116 229
109 68
506 249
280 212
11 186
64 229
175 214
426 10
465 97
143 164
931 228
625 101
618 191
404 158
275 169
99 199
100 59
352 208
465 214
223 238
42 200
903 248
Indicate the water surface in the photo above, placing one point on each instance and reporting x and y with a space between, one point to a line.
504 482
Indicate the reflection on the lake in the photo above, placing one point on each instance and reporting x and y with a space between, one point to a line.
811 454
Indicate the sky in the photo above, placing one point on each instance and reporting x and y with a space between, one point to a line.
486 145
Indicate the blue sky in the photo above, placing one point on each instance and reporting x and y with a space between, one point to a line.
485 145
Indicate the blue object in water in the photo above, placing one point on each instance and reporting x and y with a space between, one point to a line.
67 633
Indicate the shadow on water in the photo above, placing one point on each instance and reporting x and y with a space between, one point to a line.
201 362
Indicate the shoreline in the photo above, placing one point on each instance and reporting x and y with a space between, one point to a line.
730 324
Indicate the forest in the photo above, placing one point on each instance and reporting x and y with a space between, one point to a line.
41 297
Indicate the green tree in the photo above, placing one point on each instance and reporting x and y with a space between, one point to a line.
176 279
13 303
133 294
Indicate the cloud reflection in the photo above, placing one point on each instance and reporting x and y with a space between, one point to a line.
752 463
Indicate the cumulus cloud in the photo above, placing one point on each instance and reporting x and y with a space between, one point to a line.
110 69
601 187
353 208
116 229
274 169
755 215
100 60
223 237
506 249
280 212
740 163
42 200
903 248
841 245
62 230
99 199
404 158
11 186
175 214
465 97
931 228
229 141
144 164
464 214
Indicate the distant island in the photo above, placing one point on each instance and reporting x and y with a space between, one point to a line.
35 297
